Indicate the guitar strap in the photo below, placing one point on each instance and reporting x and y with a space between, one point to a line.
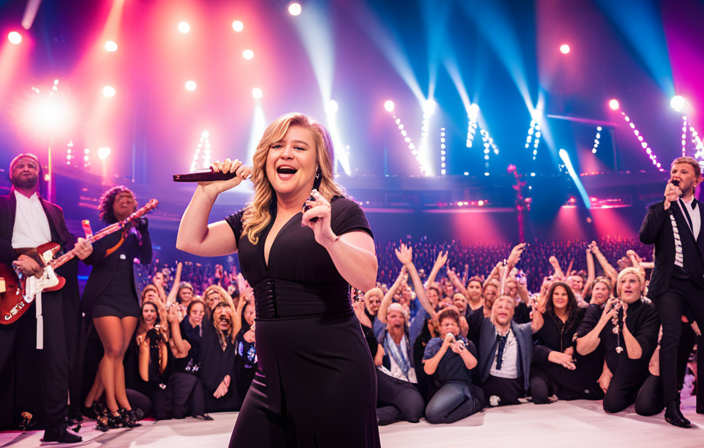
40 321
116 246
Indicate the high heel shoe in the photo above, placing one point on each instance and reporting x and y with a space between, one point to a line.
116 421
102 420
129 418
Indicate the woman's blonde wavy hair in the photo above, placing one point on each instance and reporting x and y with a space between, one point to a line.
257 214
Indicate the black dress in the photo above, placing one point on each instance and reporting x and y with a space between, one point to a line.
316 384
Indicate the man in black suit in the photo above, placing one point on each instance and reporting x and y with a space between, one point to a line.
27 220
674 226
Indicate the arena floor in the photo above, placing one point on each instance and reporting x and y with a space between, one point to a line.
562 424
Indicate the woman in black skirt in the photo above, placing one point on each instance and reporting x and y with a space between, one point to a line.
316 384
110 302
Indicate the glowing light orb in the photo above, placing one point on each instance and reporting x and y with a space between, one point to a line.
332 107
15 37
294 9
613 104
108 91
184 27
389 106
248 54
473 111
237 26
429 107
110 46
564 48
257 92
677 102
190 85
103 153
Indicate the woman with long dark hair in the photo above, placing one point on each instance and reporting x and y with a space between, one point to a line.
110 302
557 368
245 350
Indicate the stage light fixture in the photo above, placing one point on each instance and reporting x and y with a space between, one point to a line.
389 106
109 91
613 104
429 107
237 26
332 107
14 37
248 54
257 92
677 102
596 140
184 27
473 111
103 153
191 85
564 48
294 9
110 46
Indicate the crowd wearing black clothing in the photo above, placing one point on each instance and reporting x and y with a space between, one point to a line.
443 351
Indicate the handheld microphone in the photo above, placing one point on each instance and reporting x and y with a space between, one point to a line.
203 176
675 182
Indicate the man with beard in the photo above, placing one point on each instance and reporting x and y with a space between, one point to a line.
505 352
28 221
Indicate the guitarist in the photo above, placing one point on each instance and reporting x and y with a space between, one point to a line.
28 221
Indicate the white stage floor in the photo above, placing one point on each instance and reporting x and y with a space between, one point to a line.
563 424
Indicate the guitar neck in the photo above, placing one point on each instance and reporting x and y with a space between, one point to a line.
112 228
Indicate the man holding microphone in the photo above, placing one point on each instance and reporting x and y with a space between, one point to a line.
674 226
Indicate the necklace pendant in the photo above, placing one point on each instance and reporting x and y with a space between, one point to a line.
615 330
619 350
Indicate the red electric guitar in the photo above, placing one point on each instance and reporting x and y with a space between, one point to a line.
20 290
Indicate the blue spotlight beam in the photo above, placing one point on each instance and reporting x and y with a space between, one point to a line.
315 32
500 34
389 44
640 22
573 174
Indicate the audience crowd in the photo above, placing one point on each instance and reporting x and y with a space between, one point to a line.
452 328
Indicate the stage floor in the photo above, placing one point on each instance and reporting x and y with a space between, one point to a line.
575 424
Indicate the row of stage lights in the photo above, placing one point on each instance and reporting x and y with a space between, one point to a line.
110 46
534 134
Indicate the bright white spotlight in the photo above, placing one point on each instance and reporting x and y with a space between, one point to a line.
248 54
191 85
257 92
677 102
184 27
389 106
564 48
613 104
237 26
429 107
332 107
103 153
109 91
205 134
110 46
473 111
535 114
15 37
294 9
